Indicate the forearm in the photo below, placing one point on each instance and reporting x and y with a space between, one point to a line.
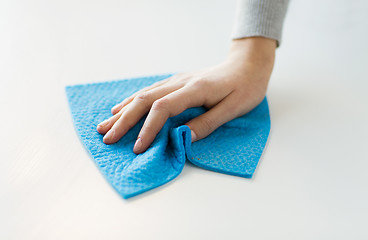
263 18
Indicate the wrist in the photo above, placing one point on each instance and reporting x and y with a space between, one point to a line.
253 50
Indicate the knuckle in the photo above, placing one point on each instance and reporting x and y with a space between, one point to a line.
200 83
161 104
128 122
149 130
208 123
143 97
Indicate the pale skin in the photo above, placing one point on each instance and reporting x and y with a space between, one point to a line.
227 90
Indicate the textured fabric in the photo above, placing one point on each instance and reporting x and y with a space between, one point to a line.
234 148
260 18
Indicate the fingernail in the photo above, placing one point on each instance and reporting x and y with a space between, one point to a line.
109 135
102 124
138 145
194 136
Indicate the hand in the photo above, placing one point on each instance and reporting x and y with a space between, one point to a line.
228 90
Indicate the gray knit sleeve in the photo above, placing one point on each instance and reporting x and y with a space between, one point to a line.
260 18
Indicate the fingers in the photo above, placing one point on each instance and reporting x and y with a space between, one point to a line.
126 121
130 114
127 100
208 122
168 106
105 126
119 106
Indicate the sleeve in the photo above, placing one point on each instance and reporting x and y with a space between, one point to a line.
263 18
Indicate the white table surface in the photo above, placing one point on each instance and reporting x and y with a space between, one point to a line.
311 183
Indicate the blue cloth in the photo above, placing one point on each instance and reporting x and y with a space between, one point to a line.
234 148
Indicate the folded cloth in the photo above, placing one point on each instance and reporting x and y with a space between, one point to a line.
234 148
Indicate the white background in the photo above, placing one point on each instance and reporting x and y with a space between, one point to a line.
310 184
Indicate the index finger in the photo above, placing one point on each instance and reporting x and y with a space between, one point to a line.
163 108
129 99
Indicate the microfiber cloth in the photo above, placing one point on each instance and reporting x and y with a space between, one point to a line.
234 148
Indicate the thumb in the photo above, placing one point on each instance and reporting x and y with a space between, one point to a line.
202 126
205 124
